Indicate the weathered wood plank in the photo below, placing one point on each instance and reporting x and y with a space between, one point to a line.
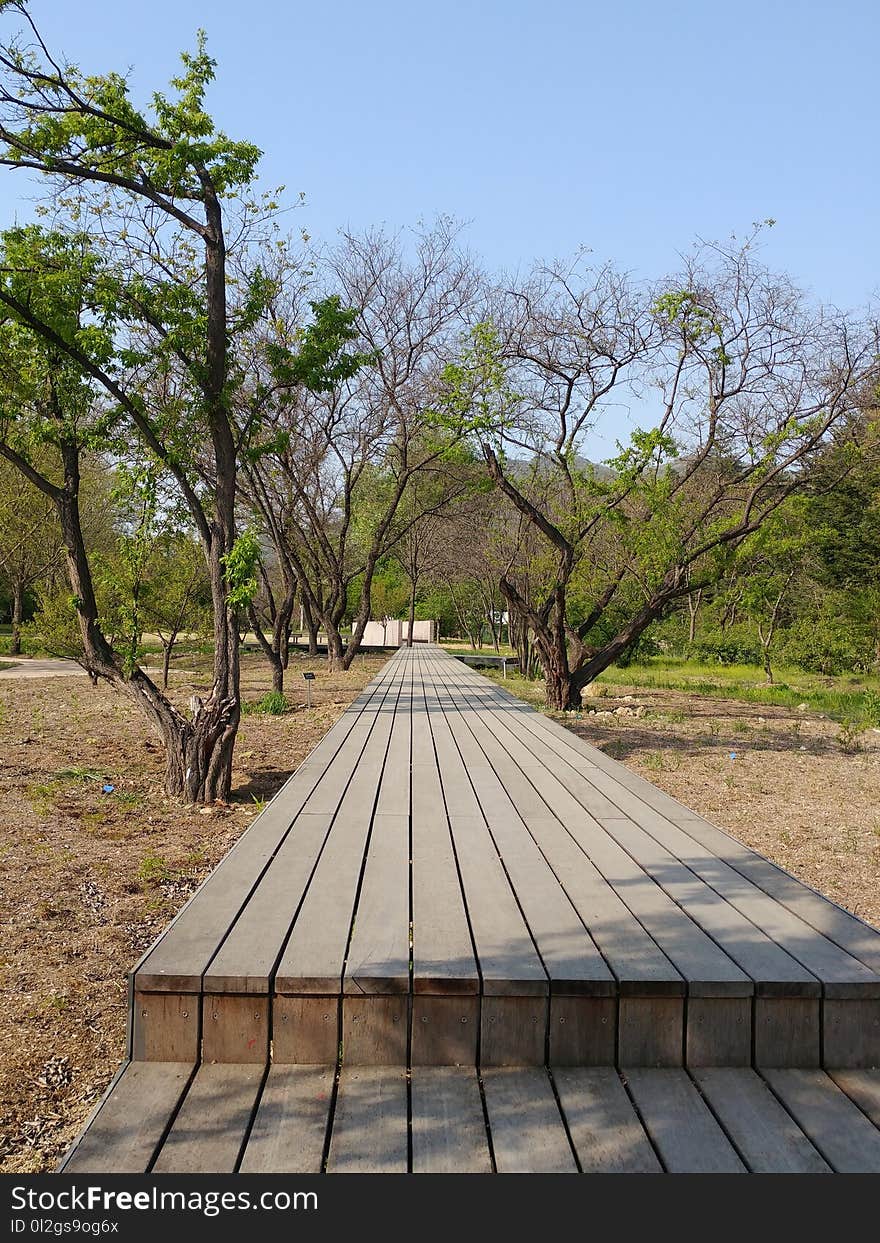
570 957
650 1031
862 1087
448 1125
129 1127
210 1129
245 961
633 956
604 1128
528 1134
445 1030
851 1033
235 1029
847 1140
786 1031
312 961
768 1139
291 1124
370 1123
583 1031
682 1128
509 963
378 956
305 1029
443 952
165 1027
375 1030
177 961
708 970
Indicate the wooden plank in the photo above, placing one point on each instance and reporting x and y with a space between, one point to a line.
753 950
127 1130
444 1030
632 955
528 1134
847 1140
210 1129
570 957
378 956
305 1029
442 949
291 1123
583 1031
513 1031
838 925
165 1027
650 1031
769 1141
246 960
604 1128
708 970
178 960
786 1032
719 1031
370 1123
680 1125
840 973
312 961
375 1030
862 1087
235 1029
448 1125
851 1033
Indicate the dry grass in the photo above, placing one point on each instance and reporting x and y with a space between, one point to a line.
90 877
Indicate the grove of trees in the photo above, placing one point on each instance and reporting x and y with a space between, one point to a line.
209 427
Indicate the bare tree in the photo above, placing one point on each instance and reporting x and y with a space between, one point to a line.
747 383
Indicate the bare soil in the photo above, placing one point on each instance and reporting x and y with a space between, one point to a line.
89 875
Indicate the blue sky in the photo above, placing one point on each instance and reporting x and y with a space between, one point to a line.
629 127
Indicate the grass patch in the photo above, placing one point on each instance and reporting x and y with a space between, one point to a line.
852 700
273 704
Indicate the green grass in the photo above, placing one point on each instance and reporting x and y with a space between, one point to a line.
461 649
850 698
272 704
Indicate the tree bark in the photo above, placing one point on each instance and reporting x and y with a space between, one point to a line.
412 612
17 617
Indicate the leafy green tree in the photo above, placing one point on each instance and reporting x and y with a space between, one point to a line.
145 330
30 543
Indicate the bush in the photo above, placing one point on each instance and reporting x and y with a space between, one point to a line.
826 645
734 646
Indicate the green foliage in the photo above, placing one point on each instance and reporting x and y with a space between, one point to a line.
89 120
240 567
272 704
475 397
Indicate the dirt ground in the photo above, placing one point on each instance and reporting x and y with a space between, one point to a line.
89 875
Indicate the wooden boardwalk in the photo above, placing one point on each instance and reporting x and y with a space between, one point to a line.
461 938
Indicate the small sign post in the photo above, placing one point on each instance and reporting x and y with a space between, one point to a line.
308 679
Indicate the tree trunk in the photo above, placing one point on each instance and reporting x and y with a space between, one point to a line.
412 614
17 617
312 626
166 661
335 648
